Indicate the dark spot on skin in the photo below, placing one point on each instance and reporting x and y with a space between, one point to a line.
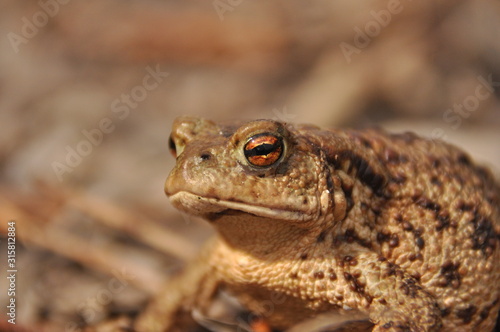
294 275
484 237
412 257
445 312
350 260
449 271
374 181
407 226
365 142
350 235
382 237
443 221
382 302
331 275
354 283
205 156
488 308
484 313
464 159
462 206
321 237
410 288
261 175
304 201
428 204
466 314
416 195
484 173
364 171
319 275
394 241
416 276
435 181
420 242
391 271
303 257
435 162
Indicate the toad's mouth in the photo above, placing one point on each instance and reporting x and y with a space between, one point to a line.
214 208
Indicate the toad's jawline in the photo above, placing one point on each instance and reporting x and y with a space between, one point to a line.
213 206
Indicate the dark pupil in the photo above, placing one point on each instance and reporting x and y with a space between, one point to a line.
261 150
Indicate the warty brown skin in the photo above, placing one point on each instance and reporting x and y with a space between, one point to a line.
402 229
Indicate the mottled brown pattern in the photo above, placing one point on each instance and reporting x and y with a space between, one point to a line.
467 314
450 274
397 227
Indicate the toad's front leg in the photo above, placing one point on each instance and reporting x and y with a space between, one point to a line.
171 309
397 302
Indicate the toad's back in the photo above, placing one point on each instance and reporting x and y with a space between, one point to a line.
435 214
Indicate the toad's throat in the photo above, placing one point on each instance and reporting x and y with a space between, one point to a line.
213 208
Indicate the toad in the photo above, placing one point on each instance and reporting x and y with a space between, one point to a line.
402 229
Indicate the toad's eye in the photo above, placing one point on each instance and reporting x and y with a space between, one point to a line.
172 147
263 149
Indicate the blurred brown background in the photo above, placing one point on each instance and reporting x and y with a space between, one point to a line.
89 89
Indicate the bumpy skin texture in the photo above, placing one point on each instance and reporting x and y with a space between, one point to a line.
397 227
